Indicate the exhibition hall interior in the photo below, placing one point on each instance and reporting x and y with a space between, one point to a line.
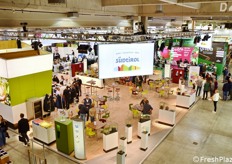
115 82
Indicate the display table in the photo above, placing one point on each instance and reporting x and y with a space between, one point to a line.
43 134
85 79
144 125
167 116
185 101
110 141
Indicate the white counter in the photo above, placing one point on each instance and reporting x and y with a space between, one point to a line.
99 82
46 135
185 101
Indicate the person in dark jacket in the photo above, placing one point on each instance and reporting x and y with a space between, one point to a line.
225 73
67 96
3 131
87 103
46 103
225 89
147 108
23 127
206 90
55 79
82 112
79 83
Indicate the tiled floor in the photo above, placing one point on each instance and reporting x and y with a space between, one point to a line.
199 133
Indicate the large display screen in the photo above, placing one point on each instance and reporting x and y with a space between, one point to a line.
120 60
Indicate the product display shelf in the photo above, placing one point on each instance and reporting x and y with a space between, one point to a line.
167 116
186 101
144 125
110 141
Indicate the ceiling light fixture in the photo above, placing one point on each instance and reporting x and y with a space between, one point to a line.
159 9
72 14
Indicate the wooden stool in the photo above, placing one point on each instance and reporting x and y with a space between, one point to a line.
117 90
87 89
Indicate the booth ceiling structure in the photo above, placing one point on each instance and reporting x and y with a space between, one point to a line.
120 13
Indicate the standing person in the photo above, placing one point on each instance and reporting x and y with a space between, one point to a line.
215 84
82 112
230 92
77 91
23 127
212 88
73 93
67 97
92 113
79 82
225 89
3 129
147 108
225 73
47 103
87 103
206 90
215 99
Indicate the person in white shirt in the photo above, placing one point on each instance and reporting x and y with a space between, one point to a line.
215 99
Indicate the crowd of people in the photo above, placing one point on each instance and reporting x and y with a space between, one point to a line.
69 95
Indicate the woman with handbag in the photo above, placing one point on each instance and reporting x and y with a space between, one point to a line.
3 128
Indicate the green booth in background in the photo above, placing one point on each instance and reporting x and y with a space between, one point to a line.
64 135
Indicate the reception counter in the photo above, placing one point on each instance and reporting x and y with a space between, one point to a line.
43 134
85 79
186 101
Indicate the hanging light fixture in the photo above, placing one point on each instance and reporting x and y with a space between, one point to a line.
159 9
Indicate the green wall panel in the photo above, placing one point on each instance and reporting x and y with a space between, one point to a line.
34 85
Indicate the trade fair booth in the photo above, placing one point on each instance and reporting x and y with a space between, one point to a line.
23 72
111 132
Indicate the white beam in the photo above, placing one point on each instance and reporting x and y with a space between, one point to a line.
188 5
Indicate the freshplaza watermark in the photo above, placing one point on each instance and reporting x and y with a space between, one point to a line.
199 159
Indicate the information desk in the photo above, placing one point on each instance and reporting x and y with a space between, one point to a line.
186 101
43 134
85 79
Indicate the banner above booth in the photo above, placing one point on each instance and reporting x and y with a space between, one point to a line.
120 60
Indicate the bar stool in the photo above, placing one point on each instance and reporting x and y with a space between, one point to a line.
109 94
117 90
87 89
94 88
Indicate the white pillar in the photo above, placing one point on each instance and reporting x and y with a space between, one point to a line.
144 141
128 132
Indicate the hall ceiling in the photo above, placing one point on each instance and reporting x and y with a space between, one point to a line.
40 13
